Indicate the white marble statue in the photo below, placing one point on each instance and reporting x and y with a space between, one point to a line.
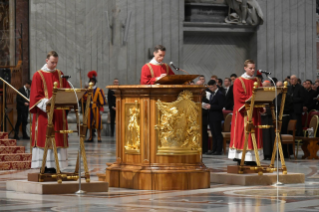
246 12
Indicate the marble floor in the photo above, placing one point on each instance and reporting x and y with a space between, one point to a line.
220 197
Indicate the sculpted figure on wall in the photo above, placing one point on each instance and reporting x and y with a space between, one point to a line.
246 12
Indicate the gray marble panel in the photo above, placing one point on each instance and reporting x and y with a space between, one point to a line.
309 31
50 23
286 39
314 44
166 29
294 37
174 31
278 40
301 38
218 54
71 55
41 48
262 40
270 21
131 47
102 69
60 35
141 48
80 41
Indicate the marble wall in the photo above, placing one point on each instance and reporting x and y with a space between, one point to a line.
78 31
285 44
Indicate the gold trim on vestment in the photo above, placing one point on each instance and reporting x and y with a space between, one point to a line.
151 69
36 104
243 84
44 85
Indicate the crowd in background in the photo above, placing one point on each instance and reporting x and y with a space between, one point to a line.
302 96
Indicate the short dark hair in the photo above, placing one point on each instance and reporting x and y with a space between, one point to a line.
201 76
308 80
52 53
220 81
228 79
233 75
212 82
28 82
159 47
299 81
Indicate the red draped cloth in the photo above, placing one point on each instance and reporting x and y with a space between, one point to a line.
151 71
42 87
242 91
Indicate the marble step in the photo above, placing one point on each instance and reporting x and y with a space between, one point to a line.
3 135
15 157
8 142
12 149
14 165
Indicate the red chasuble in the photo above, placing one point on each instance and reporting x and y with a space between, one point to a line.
151 71
42 86
242 91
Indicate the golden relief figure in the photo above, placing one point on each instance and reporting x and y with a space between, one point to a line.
178 126
132 137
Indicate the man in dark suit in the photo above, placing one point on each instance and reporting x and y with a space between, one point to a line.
296 91
229 98
111 99
215 107
23 110
220 86
310 96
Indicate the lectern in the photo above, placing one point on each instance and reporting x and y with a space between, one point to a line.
158 138
63 99
259 99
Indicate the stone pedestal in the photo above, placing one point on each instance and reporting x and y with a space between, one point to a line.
55 188
255 179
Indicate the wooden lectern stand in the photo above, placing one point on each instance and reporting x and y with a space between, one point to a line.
63 99
158 138
259 99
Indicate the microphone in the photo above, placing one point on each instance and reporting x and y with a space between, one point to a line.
66 76
265 72
174 67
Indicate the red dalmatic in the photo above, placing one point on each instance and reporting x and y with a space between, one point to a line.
242 91
42 87
151 71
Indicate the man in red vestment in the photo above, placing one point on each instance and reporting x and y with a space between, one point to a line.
41 92
155 69
243 87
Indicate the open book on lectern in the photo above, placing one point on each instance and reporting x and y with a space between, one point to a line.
66 96
176 79
265 95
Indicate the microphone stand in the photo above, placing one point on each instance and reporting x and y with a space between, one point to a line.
276 103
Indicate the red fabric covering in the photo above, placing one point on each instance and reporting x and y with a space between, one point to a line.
310 115
8 142
3 135
15 157
12 156
40 121
14 165
146 76
243 91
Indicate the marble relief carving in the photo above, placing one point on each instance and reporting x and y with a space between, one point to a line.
178 129
246 12
132 128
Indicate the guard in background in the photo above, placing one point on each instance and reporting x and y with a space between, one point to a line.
96 107
111 99
23 111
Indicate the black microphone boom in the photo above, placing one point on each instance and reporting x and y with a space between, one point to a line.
265 72
66 76
174 67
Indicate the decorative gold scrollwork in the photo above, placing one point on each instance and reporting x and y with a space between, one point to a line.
178 128
132 128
